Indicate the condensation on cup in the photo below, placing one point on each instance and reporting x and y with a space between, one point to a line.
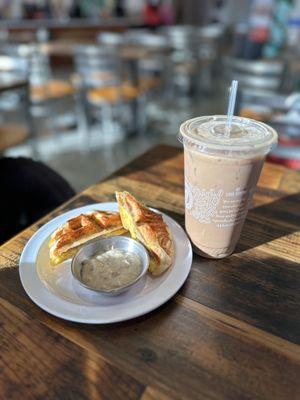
221 173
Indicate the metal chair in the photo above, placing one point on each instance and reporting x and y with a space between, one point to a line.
102 95
256 76
149 59
207 47
14 97
154 49
111 39
35 63
50 99
183 58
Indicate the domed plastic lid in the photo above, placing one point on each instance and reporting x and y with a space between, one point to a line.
208 135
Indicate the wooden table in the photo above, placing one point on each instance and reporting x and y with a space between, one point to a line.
232 331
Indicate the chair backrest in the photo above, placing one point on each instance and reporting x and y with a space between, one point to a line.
131 35
97 66
180 36
112 39
155 47
207 41
151 41
181 39
34 60
13 65
262 75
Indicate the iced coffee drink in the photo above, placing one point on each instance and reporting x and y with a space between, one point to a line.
221 172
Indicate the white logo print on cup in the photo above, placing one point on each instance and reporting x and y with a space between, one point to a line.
200 203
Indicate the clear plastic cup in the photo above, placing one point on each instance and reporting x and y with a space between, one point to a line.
221 174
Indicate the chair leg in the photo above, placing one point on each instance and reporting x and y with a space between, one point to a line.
107 121
141 115
84 122
30 124
51 115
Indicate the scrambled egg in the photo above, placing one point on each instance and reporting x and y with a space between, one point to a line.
128 222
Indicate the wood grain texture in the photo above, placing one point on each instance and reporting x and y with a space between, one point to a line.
232 332
36 362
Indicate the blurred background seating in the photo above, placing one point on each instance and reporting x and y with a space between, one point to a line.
86 86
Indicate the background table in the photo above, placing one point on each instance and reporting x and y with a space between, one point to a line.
231 332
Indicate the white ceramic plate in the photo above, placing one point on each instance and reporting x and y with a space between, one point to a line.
56 291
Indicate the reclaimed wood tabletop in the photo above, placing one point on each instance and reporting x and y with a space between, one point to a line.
231 332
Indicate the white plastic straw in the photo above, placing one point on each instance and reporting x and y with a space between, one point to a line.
231 106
